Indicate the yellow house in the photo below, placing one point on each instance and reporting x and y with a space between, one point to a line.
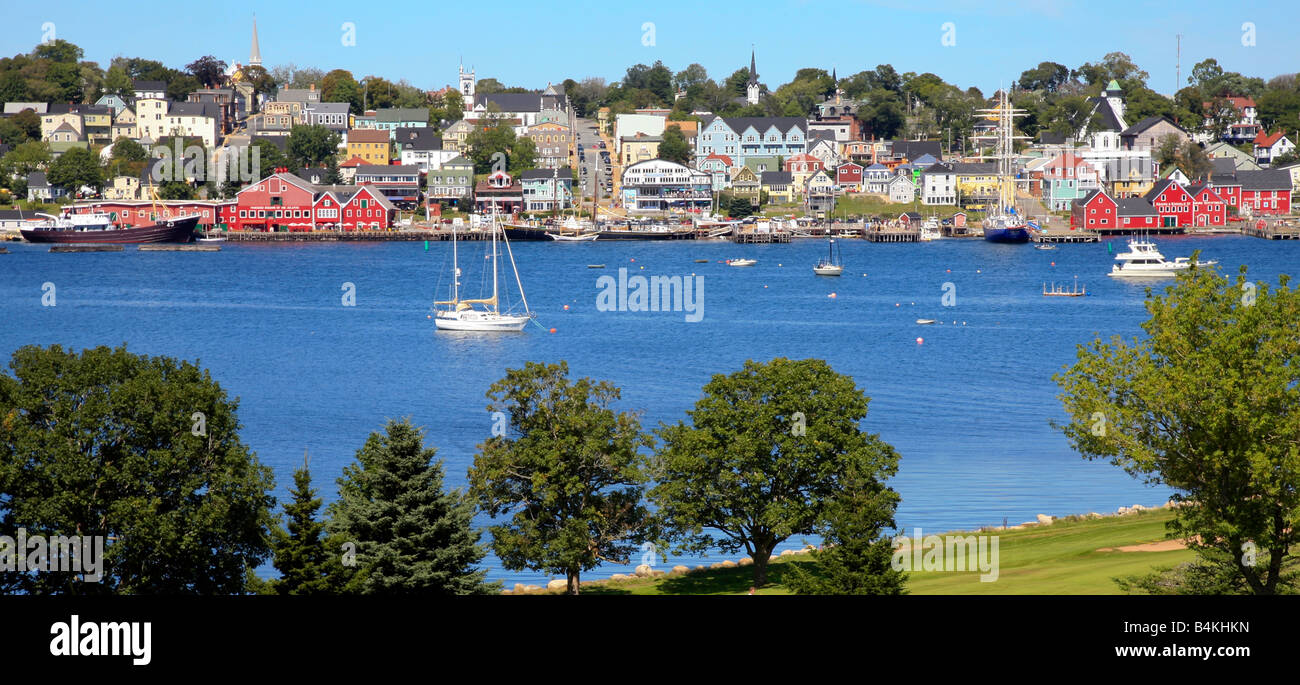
124 125
639 148
602 120
779 187
123 188
370 144
53 122
977 182
1132 187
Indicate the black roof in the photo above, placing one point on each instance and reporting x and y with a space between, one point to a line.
914 149
1109 118
1147 123
149 85
770 177
418 138
563 173
1049 138
1265 179
783 124
1134 206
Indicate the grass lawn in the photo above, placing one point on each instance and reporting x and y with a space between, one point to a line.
1062 558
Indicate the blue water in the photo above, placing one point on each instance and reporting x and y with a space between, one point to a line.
968 409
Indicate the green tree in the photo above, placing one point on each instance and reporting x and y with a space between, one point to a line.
1206 404
25 158
522 155
339 86
29 123
269 158
674 147
176 190
300 550
142 450
311 145
570 477
207 70
770 446
76 168
857 555
488 138
411 536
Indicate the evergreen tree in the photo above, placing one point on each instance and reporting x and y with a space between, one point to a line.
332 175
410 536
300 552
856 559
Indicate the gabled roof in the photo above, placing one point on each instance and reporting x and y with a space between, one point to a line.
913 149
1160 187
1110 119
1139 127
1269 140
1092 195
194 109
924 160
762 124
149 85
722 158
841 165
355 161
511 102
37 179
936 168
775 177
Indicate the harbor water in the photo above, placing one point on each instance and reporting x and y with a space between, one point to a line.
967 401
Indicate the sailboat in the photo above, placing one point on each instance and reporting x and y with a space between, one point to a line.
829 266
1007 226
461 314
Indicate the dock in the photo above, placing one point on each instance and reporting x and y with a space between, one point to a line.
163 247
413 235
761 237
1066 237
894 235
1267 231
85 248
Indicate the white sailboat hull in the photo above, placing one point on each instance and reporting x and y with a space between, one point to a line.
471 320
834 270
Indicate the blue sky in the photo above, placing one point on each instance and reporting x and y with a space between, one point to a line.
533 43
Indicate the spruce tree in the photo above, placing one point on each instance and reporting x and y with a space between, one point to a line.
410 536
856 558
301 554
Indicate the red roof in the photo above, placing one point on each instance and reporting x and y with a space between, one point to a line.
1239 103
725 159
355 161
1269 140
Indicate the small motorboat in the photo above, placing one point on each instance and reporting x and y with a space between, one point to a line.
925 322
595 266
218 239
741 262
1044 246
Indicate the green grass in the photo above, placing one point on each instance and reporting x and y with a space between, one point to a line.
1062 558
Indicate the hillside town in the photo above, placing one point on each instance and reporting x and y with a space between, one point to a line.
248 153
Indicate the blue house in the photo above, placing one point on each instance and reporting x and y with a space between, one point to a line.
742 137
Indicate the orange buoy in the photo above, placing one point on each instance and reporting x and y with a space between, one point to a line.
832 296
897 304
920 341
429 316
566 307
552 330
634 259
1053 263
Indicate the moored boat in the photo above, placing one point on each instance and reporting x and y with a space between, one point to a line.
173 230
1143 260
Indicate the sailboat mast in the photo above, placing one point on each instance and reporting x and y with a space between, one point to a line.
494 256
455 268
514 267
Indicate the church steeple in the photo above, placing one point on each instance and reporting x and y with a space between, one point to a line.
255 53
751 87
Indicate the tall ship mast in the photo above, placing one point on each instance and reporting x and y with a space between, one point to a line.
1006 224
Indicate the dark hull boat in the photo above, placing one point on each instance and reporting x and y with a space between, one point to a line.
518 233
647 235
178 230
1019 234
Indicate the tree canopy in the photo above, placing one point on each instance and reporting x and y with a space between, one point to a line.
768 448
1206 403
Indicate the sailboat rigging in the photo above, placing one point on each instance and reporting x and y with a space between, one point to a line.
461 314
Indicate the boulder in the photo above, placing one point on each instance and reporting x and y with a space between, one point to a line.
715 565
680 569
558 584
745 561
1093 515
700 567
727 564
1045 519
787 552
520 588
532 588
644 571
619 576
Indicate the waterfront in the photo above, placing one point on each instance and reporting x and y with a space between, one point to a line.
968 410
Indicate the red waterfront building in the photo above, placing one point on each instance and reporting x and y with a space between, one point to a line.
286 202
